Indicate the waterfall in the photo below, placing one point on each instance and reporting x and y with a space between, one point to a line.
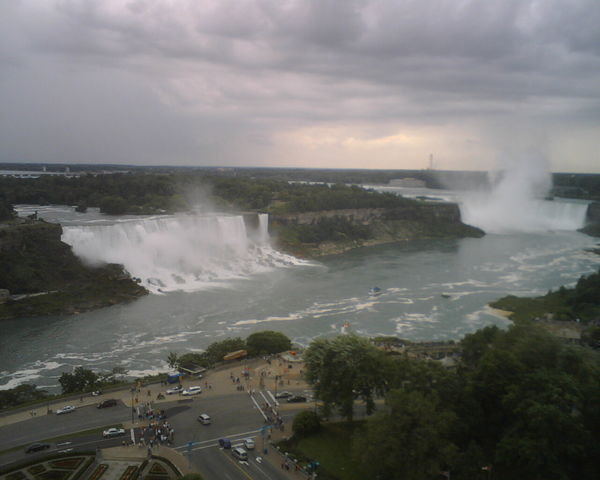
514 202
495 216
263 228
187 252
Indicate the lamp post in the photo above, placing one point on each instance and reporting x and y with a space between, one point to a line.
132 407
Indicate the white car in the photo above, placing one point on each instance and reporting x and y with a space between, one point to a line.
192 391
249 443
66 409
113 432
174 390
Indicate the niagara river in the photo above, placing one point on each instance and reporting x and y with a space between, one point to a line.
213 276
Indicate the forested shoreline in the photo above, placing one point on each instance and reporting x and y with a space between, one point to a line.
578 307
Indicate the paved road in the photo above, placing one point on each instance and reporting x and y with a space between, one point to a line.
52 425
235 414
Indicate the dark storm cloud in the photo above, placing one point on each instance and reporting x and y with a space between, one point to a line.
257 67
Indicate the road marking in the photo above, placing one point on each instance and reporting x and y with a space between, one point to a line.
235 435
261 470
273 397
265 398
259 409
236 464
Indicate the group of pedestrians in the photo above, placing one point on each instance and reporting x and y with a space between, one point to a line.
272 416
157 433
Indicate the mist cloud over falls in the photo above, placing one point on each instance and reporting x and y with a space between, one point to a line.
517 201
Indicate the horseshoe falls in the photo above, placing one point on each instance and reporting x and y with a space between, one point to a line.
505 215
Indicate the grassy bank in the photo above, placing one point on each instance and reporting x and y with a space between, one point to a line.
333 448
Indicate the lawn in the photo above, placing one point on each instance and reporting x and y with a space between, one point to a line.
333 449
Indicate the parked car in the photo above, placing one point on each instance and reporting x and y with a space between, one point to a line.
37 447
249 443
204 419
284 394
65 409
113 432
111 402
97 393
296 399
224 443
192 391
174 390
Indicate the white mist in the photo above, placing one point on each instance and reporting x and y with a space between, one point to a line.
516 202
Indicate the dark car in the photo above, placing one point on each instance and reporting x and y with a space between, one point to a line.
37 447
111 402
296 399
224 443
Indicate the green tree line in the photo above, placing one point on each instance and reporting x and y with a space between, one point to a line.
258 343
580 303
520 403
147 193
82 380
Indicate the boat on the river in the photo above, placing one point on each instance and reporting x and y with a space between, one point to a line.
374 292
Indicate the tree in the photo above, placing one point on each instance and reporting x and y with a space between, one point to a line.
172 360
474 345
266 342
81 380
409 439
6 210
20 394
113 205
217 350
119 372
345 369
306 423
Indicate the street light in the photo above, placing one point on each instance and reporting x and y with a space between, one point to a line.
132 408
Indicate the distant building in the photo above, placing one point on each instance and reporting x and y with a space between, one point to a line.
36 174
407 182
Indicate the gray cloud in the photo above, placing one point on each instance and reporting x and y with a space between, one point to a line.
225 81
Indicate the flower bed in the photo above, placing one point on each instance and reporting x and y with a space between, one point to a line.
129 473
157 469
16 476
66 463
55 475
36 469
99 471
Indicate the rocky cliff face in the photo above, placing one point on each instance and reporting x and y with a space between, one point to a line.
43 276
376 226
593 220
593 213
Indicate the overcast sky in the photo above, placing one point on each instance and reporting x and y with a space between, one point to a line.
301 83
